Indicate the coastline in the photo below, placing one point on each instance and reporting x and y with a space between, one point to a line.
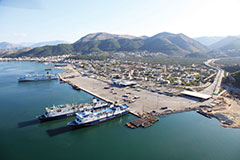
148 102
227 111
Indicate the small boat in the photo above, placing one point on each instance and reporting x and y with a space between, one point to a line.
61 65
76 87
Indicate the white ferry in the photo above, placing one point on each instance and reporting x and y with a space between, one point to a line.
89 118
67 110
38 77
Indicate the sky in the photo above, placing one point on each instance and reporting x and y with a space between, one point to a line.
69 20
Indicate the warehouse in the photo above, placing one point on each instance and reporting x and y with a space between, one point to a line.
124 83
196 95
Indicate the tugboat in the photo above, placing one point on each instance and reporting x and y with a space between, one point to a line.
91 118
67 110
38 77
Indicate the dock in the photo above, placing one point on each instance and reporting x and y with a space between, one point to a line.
145 121
147 101
204 113
135 114
95 95
77 87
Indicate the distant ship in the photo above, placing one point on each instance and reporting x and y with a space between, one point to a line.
61 65
91 118
38 77
67 110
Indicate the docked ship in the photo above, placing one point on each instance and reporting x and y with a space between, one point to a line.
91 118
38 77
67 110
61 65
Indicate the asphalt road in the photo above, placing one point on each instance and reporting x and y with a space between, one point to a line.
215 86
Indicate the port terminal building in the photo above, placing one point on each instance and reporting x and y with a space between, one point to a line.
124 83
195 95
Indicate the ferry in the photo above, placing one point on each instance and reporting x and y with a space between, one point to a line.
61 65
67 110
38 77
89 118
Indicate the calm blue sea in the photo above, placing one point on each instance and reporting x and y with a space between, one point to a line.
183 136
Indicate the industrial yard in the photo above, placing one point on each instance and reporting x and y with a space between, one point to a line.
142 86
139 100
163 100
225 109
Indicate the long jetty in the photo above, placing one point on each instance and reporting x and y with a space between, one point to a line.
85 90
75 86
147 102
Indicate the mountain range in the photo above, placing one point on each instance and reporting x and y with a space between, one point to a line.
165 43
47 43
207 41
218 42
10 46
7 48
225 46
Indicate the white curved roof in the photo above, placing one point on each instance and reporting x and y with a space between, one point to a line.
196 94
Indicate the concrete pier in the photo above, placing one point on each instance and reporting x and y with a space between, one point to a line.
145 121
146 102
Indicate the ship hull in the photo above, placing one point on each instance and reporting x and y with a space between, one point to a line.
75 125
204 114
32 80
42 118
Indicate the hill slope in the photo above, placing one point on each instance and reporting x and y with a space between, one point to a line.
173 44
166 43
234 45
223 42
60 49
9 46
236 76
48 43
100 42
227 47
233 79
207 41
103 36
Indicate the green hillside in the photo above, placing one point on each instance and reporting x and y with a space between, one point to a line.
60 49
233 79
130 44
234 73
236 76
165 43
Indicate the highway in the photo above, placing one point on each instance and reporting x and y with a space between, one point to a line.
215 86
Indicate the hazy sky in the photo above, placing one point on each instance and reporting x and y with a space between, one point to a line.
46 20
